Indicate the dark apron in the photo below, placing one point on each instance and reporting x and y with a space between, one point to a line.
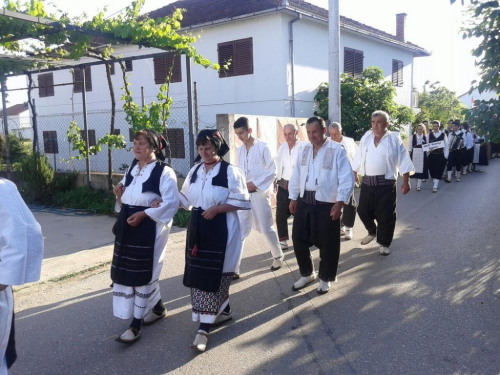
134 249
205 251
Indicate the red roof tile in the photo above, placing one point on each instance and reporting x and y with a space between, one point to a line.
15 109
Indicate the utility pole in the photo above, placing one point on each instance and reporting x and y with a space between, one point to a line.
333 61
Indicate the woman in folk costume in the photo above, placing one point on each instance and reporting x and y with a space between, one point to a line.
417 140
21 254
213 190
141 234
437 157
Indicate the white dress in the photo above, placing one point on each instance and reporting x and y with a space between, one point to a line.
202 194
137 301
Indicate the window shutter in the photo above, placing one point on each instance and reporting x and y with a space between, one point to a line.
50 145
49 84
397 73
88 79
77 80
349 61
42 92
128 66
243 63
226 55
358 63
162 66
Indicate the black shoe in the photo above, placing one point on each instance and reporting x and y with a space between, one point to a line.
447 180
236 276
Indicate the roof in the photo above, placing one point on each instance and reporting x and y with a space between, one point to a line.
200 12
16 109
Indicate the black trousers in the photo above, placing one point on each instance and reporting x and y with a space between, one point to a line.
378 203
312 225
282 213
454 160
349 215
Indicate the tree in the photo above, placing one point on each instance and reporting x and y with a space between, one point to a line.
439 104
484 23
360 97
128 27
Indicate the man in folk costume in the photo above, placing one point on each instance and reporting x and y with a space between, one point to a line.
142 224
349 214
21 254
286 158
380 157
322 182
455 142
259 167
436 160
468 151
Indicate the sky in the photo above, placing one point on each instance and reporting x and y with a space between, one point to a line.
431 24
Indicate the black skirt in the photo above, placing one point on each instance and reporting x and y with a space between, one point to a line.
205 251
133 254
436 163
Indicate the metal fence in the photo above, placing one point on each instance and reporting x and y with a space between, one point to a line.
53 141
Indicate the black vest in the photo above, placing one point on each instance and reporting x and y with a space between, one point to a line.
152 184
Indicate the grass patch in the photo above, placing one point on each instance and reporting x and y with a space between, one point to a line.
84 198
181 218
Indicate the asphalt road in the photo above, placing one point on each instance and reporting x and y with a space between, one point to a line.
431 307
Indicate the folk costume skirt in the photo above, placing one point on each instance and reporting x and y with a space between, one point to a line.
205 253
134 274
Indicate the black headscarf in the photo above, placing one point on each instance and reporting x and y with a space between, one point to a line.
215 138
159 143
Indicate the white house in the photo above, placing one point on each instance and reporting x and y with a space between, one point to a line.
468 99
279 56
19 122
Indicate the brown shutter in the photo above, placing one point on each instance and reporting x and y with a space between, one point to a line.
226 55
49 84
50 145
42 92
358 63
243 57
77 80
349 61
176 148
128 66
162 66
88 79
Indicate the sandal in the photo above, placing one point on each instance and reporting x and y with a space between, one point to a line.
153 317
434 190
200 341
130 336
418 189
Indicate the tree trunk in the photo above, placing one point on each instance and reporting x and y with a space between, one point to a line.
112 126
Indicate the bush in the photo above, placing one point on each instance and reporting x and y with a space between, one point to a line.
19 148
101 201
35 178
63 182
181 218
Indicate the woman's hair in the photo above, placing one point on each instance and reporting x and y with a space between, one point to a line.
202 139
424 129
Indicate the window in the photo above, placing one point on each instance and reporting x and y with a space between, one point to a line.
175 143
128 65
166 64
353 62
77 80
91 137
45 85
397 73
50 145
239 55
112 68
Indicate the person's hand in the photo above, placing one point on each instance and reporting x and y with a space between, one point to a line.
135 219
405 187
118 190
156 203
336 210
293 206
210 213
3 287
251 187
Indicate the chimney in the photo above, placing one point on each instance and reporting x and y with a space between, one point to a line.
400 26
